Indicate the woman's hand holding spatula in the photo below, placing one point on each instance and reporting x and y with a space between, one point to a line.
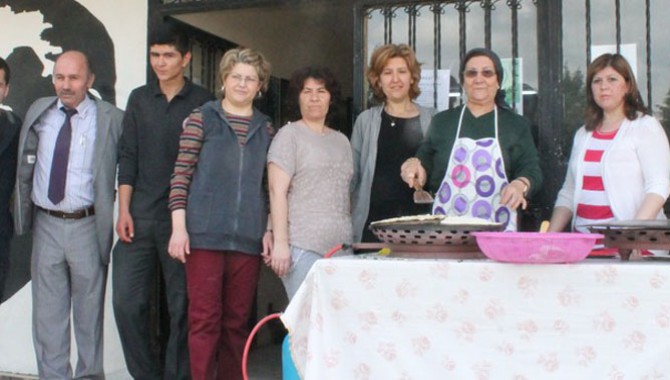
413 173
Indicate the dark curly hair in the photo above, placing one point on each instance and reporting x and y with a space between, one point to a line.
633 102
320 74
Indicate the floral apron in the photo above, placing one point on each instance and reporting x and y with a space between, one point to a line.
474 179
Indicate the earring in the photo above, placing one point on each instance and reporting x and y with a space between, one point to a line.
223 89
260 93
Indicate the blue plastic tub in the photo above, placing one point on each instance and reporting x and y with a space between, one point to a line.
289 372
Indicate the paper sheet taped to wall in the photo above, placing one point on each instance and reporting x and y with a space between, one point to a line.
429 87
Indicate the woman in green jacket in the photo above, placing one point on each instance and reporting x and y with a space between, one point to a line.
479 158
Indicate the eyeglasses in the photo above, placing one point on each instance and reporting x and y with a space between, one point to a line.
472 73
242 80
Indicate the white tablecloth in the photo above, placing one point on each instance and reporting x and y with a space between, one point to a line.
357 318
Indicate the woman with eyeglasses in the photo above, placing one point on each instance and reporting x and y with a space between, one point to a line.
219 214
619 168
479 158
384 136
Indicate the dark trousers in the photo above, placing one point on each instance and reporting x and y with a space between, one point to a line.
221 289
4 262
133 278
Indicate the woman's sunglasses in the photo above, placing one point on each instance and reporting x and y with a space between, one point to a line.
486 73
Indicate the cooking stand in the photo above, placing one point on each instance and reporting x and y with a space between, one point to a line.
629 235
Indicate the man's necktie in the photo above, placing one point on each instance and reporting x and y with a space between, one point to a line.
60 158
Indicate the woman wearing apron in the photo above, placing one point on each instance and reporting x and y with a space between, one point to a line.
479 159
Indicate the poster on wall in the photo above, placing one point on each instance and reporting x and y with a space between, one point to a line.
628 51
34 34
513 97
430 87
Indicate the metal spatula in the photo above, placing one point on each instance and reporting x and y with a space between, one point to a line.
421 196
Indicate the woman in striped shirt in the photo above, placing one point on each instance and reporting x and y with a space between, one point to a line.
619 168
219 214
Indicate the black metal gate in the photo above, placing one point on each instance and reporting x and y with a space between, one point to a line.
553 87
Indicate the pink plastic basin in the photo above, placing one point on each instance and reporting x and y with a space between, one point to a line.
536 247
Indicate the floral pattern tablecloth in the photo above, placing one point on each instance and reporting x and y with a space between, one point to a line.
357 318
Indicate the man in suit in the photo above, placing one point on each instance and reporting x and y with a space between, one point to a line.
65 194
9 142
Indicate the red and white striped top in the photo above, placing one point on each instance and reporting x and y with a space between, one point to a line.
594 205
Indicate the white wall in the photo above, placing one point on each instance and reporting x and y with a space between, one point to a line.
126 23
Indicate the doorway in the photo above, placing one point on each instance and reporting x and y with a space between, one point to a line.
290 36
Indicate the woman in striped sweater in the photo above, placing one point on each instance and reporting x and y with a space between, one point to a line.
219 214
619 168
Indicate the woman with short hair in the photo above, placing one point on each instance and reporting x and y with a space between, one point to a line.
219 214
479 158
384 137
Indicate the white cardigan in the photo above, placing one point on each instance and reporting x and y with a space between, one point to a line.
636 163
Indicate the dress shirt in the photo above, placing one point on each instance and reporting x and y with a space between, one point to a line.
79 192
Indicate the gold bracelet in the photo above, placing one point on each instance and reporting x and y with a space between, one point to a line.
525 184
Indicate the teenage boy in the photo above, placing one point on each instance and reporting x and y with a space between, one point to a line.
148 150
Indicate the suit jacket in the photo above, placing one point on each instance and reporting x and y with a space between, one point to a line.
105 159
9 141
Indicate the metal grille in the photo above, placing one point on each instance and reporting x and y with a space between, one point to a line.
454 30
552 138
391 10
618 39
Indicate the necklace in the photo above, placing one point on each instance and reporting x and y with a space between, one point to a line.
393 120
405 111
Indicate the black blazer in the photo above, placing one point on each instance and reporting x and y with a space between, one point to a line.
9 144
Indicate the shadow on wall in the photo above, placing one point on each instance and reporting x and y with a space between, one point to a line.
71 27
66 25
19 267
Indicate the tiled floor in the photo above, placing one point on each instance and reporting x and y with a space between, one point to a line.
264 364
264 361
